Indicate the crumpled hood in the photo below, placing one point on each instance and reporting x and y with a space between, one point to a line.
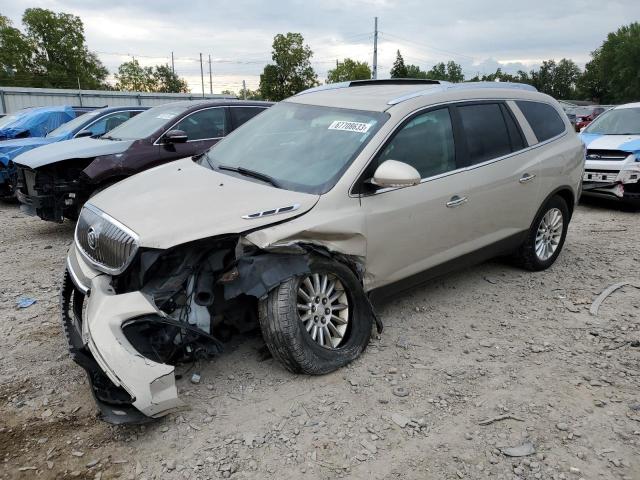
626 143
86 147
182 201
10 149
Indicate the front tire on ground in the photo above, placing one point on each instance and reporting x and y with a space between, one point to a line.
545 237
319 322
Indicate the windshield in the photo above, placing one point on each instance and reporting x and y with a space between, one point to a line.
146 123
621 121
72 125
301 147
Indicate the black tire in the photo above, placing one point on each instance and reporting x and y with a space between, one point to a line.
287 338
526 256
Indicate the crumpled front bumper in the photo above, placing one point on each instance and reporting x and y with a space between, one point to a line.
151 385
613 179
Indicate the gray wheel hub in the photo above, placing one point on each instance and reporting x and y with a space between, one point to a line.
549 234
323 308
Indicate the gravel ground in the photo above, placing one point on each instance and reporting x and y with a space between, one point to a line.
467 367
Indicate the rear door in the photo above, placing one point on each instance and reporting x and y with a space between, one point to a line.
501 181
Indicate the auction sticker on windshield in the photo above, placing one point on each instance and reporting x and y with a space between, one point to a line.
350 126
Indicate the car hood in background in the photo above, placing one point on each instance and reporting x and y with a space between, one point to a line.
77 148
182 201
625 143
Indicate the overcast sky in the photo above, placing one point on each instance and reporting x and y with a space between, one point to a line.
480 35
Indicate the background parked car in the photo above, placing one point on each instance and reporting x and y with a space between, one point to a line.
612 168
585 119
54 181
91 124
36 122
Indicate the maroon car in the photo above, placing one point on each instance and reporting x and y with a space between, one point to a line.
584 120
54 181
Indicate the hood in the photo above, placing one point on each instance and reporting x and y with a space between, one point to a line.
10 149
626 143
181 201
85 147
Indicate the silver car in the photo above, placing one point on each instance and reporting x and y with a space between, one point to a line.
300 219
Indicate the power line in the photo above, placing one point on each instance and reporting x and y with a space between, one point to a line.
406 40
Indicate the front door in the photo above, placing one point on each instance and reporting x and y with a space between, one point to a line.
414 228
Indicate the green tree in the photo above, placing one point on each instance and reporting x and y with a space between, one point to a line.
454 72
449 72
291 71
349 70
133 77
60 56
167 81
613 74
414 71
399 69
16 54
557 79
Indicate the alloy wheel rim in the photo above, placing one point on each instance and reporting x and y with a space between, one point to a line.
549 234
323 309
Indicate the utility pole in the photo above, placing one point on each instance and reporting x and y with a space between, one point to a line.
244 90
202 75
210 77
375 49
173 67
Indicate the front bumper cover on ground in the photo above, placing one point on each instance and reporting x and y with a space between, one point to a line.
150 385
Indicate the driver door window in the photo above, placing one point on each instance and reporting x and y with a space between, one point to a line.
426 143
203 125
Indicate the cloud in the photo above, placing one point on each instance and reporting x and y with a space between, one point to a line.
479 35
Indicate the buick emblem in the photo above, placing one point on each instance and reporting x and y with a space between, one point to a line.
92 238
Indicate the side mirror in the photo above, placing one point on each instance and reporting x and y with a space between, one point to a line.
392 173
175 136
84 133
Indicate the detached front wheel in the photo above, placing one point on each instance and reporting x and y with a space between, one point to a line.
319 322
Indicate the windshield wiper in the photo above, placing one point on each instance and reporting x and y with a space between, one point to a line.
251 173
109 137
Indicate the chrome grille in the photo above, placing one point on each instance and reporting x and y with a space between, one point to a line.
107 244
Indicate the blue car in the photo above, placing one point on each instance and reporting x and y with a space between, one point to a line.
92 124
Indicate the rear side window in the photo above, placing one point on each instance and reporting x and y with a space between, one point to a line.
240 115
485 131
543 118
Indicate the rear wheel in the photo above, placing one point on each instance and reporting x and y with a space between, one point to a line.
319 322
546 236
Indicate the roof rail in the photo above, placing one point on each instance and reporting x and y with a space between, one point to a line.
365 83
463 86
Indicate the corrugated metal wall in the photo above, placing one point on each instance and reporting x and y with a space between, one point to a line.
16 98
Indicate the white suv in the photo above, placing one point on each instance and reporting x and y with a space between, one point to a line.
301 217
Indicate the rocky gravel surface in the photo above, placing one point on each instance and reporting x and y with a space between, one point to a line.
492 373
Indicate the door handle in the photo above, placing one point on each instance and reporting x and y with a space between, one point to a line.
527 178
456 201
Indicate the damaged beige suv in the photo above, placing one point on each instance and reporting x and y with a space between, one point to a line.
299 219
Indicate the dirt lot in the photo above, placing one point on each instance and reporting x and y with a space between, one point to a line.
489 343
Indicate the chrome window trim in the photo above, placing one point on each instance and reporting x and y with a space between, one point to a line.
452 172
105 115
184 118
124 228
